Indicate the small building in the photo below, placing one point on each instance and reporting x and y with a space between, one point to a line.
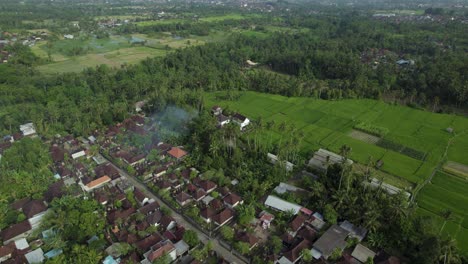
362 253
334 238
354 231
266 219
222 120
294 254
177 153
78 154
232 200
6 252
223 217
207 185
68 36
36 256
158 250
282 205
28 130
140 197
241 120
216 110
98 183
323 158
15 232
207 214
183 198
181 248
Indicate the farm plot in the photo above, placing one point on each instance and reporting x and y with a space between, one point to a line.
411 150
456 168
446 192
368 138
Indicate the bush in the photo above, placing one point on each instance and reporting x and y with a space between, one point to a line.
371 129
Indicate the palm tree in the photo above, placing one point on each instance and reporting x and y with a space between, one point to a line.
344 151
449 250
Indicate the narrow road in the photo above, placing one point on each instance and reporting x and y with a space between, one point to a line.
226 254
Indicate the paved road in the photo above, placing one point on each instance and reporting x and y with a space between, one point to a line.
226 254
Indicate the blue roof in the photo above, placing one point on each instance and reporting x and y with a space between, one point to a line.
109 260
53 253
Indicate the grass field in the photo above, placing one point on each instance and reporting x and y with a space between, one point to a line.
113 51
329 124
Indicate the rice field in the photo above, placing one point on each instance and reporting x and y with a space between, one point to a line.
329 124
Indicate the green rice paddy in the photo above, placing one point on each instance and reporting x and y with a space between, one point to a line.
327 124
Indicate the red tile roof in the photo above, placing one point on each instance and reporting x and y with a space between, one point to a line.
224 216
15 230
232 199
161 249
177 152
99 181
33 208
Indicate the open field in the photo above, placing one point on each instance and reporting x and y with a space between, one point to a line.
112 59
448 192
113 51
329 124
456 168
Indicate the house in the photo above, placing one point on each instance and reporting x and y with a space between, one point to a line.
296 224
36 256
78 154
295 253
199 194
55 190
317 221
35 212
223 217
158 250
98 183
154 218
232 200
68 36
177 153
21 244
28 130
323 158
181 248
362 253
53 253
15 232
183 198
282 205
106 169
119 214
222 120
167 222
207 214
149 208
307 232
6 252
248 238
241 120
163 185
332 239
145 244
216 110
158 172
266 219
207 185
57 154
354 231
140 197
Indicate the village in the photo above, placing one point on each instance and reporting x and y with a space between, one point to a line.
152 198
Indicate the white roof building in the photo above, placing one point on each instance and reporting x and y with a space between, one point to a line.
362 253
36 256
78 154
21 244
282 205
323 158
28 129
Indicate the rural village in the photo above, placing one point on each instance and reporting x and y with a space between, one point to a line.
152 200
